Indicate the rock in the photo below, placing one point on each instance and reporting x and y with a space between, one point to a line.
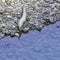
58 1
49 1
26 29
58 6
9 2
1 35
16 34
2 9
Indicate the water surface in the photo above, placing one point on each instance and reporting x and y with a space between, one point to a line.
43 45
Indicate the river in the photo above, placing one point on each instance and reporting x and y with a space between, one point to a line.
35 45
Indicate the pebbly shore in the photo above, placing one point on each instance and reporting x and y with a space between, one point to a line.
39 13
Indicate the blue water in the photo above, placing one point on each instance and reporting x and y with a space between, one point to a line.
44 45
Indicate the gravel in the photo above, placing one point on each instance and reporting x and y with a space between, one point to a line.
39 14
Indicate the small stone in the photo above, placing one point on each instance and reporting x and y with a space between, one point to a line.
49 1
58 1
1 35
16 34
2 9
26 29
